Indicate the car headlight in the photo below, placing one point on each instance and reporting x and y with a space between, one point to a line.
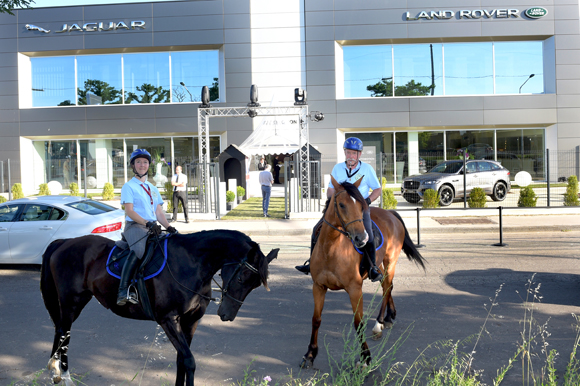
431 182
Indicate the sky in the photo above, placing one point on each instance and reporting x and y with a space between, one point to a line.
61 3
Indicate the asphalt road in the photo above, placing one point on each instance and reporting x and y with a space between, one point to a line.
271 333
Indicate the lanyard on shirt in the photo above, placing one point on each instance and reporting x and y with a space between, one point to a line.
350 174
148 191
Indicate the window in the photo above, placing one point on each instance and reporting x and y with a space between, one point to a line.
36 212
8 212
158 77
475 68
91 207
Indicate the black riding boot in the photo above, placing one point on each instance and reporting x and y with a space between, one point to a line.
371 253
126 275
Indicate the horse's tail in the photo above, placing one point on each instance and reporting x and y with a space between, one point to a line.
409 246
47 283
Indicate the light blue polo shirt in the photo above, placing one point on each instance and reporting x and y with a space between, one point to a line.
365 171
133 193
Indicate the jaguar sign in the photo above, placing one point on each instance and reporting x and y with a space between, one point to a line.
91 27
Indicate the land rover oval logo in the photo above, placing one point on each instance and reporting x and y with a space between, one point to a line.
536 12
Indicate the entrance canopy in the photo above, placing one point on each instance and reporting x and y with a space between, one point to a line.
276 135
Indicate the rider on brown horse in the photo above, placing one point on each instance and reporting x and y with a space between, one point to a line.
351 171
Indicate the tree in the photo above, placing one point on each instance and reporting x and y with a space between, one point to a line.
66 103
214 90
151 94
107 93
7 6
385 88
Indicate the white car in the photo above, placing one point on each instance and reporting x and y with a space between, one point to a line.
28 225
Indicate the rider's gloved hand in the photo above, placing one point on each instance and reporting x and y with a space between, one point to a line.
154 228
172 230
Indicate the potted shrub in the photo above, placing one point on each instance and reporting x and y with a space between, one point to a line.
241 193
477 198
389 200
230 197
108 192
74 189
431 199
571 195
527 198
17 191
43 190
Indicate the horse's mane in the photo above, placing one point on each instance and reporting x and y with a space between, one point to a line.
354 193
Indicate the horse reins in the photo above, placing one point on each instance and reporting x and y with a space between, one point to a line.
243 263
345 232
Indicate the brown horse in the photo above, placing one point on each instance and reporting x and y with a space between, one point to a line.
334 263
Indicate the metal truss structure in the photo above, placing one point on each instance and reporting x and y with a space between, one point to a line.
253 110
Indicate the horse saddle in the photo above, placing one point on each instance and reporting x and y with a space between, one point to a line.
378 239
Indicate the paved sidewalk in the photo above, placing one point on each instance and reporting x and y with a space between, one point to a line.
431 221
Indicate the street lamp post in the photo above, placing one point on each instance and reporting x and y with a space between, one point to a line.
529 77
190 96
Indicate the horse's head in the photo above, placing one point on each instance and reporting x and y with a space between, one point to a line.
348 205
241 277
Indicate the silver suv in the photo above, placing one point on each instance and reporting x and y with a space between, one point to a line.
447 179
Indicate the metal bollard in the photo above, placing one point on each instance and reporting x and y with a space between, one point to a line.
501 243
419 245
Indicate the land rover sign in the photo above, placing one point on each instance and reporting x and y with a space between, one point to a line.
536 12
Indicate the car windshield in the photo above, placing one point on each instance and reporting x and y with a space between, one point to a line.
447 167
91 207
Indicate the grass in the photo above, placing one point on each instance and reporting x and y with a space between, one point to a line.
251 209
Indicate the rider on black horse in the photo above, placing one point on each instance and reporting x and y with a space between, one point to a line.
143 208
351 171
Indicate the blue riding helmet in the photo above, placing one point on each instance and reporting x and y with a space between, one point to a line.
140 153
353 143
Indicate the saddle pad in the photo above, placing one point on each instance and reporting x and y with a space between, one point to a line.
118 256
379 239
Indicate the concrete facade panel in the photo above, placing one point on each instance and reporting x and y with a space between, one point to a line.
238 65
321 92
47 15
239 80
134 126
447 103
568 87
8 45
568 56
237 36
564 27
280 20
566 12
355 32
326 107
320 48
164 39
319 18
320 78
320 33
184 8
462 28
72 42
369 17
237 51
518 28
8 102
568 115
8 31
320 63
372 105
447 118
188 23
447 4
145 111
122 12
9 116
9 88
277 65
9 130
55 114
568 101
372 120
520 117
177 110
237 21
568 71
567 131
9 59
68 128
319 5
138 39
236 6
9 143
499 102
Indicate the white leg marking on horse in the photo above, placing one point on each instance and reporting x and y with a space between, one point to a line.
378 327
54 367
67 379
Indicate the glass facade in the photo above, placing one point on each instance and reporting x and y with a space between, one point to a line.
107 159
401 154
475 68
160 77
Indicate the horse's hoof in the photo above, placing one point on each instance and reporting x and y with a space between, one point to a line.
306 363
377 336
389 325
54 368
67 379
378 328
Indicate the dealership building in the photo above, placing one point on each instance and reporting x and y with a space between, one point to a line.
417 83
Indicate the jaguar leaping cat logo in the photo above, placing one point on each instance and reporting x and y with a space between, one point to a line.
32 27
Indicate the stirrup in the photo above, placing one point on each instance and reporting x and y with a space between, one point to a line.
305 268
132 294
378 277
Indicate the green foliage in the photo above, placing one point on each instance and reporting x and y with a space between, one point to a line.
241 191
383 182
385 88
230 196
3 199
527 198
7 6
107 93
148 93
431 199
74 189
43 190
17 191
571 195
389 200
108 192
477 198
214 90
169 198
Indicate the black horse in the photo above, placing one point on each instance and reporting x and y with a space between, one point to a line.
73 271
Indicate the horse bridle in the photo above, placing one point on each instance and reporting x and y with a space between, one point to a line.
345 232
237 272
